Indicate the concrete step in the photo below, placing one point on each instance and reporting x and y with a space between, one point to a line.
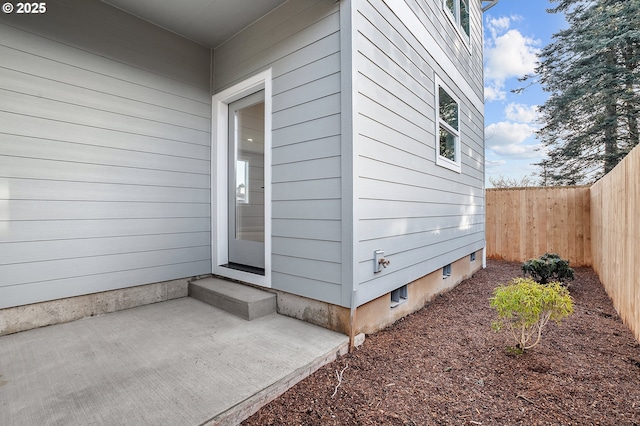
238 299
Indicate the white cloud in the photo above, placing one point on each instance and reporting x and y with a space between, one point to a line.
502 23
507 133
507 139
490 164
512 55
521 113
518 151
494 93
508 54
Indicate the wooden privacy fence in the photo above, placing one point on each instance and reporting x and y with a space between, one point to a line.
615 227
596 226
527 222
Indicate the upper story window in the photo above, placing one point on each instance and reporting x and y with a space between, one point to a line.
448 133
459 12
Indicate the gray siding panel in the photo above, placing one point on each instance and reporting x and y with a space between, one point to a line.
422 215
24 146
40 291
35 106
40 251
35 189
80 210
20 231
307 150
104 153
307 190
25 273
39 62
56 45
72 94
34 168
327 251
40 128
300 41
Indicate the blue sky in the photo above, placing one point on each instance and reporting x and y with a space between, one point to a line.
514 31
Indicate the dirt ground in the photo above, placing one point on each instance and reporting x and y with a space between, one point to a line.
444 366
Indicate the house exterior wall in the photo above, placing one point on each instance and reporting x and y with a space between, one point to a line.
424 216
104 153
300 42
105 147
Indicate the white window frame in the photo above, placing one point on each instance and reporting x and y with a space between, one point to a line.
454 17
454 165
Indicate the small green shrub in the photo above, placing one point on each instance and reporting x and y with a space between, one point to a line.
549 267
525 307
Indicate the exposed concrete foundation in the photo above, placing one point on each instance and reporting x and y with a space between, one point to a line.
27 317
324 314
378 314
368 318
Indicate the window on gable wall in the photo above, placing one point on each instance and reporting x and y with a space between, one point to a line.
459 10
448 135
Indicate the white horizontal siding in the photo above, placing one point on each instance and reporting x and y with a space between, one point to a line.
307 190
51 42
327 251
50 230
24 273
409 233
15 210
52 190
422 215
35 168
373 209
104 153
307 229
39 62
313 288
54 110
307 150
46 149
307 209
71 93
41 251
41 128
271 40
40 291
300 42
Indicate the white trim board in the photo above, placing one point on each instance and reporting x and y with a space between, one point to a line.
219 177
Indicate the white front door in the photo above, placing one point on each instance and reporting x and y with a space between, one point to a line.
246 169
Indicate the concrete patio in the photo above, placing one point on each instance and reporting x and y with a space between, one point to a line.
180 362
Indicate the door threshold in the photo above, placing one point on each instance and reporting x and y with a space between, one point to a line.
244 268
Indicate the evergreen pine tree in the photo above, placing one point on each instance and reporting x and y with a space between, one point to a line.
591 70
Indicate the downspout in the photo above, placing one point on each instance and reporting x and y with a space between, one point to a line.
486 5
348 165
489 4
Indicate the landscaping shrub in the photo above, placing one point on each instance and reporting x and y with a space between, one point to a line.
525 307
549 267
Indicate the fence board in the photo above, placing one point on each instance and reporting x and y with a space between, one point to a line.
615 223
526 222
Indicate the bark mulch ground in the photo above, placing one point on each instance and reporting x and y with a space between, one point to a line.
444 366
